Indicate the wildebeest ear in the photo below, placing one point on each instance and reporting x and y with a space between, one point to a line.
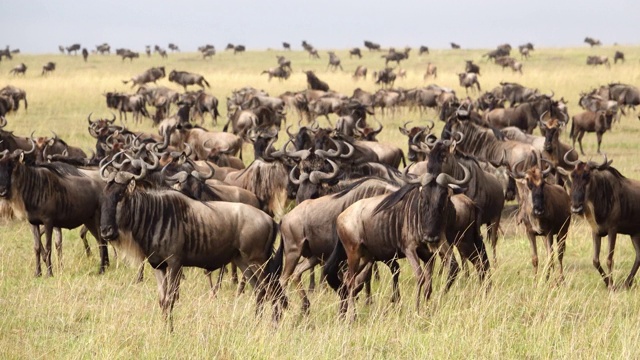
131 186
21 157
406 132
457 189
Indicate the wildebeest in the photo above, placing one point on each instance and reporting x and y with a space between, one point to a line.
598 60
355 52
162 52
467 80
592 42
515 93
423 49
73 48
277 72
286 46
103 48
238 49
525 50
470 67
202 103
610 203
185 78
85 54
284 62
125 103
385 77
590 121
173 47
396 56
53 195
432 70
129 54
454 46
619 55
371 45
208 53
314 83
361 72
183 232
544 210
150 75
525 116
19 69
16 95
334 61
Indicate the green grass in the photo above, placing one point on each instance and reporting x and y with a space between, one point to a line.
79 314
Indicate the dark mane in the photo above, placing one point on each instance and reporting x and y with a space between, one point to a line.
61 169
395 197
343 190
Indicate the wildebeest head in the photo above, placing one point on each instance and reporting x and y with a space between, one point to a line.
581 181
534 180
551 134
416 135
8 162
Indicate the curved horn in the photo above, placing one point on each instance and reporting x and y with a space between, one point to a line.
316 176
415 138
359 128
204 176
604 164
103 167
566 159
33 146
542 116
330 153
292 136
407 123
446 179
380 127
350 152
55 136
303 176
3 122
514 170
89 118
461 135
549 168
432 125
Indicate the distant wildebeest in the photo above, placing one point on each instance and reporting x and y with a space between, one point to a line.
361 72
103 48
85 54
423 49
238 49
314 83
470 67
371 45
525 50
467 80
592 42
598 60
150 75
277 72
355 52
147 50
610 203
125 103
129 54
334 61
185 78
544 210
48 68
173 47
162 52
19 69
396 56
208 53
61 49
286 46
385 77
229 46
284 62
590 121
496 53
432 70
455 46
619 55
15 95
73 48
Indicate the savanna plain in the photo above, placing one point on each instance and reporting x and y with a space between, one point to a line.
80 314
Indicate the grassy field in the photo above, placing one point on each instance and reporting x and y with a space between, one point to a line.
79 314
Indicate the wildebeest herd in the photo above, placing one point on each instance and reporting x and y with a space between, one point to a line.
184 198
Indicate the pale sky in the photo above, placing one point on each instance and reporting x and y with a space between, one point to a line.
39 26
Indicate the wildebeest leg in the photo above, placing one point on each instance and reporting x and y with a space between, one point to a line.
612 245
328 120
59 246
414 261
562 245
395 273
37 247
48 232
312 279
549 263
234 273
597 242
297 280
492 234
534 252
580 136
161 280
599 137
83 236
360 278
140 275
635 240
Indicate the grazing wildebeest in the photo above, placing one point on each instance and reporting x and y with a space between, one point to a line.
161 51
598 60
454 46
334 61
515 93
16 95
129 54
385 77
590 121
525 50
470 67
284 62
525 116
544 210
181 232
173 47
371 45
610 203
53 195
592 42
150 75
48 68
361 72
286 46
208 53
355 52
185 78
432 70
103 48
423 49
467 80
85 54
74 48
202 103
314 83
396 56
238 49
19 69
619 55
277 72
125 103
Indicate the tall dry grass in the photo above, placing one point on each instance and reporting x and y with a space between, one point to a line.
79 314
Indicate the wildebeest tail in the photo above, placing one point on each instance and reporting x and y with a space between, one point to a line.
274 269
216 113
205 82
332 266
573 122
